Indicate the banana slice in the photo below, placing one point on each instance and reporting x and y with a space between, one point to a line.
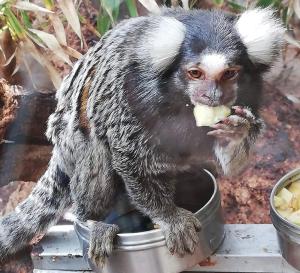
207 116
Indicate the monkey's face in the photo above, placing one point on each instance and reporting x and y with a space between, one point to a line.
211 58
212 81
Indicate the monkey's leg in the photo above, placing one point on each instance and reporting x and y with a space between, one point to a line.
38 212
153 194
234 138
94 187
102 241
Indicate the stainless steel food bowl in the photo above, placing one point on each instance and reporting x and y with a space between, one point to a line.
288 233
147 252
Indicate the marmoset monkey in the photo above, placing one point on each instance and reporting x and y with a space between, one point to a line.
124 118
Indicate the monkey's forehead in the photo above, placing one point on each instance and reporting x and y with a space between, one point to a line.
256 33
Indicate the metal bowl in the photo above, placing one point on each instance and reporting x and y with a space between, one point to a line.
147 252
288 234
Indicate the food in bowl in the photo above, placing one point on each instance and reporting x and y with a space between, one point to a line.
287 201
208 116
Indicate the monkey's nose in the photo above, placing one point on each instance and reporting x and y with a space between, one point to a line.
204 99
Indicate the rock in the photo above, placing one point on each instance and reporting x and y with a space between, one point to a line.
13 194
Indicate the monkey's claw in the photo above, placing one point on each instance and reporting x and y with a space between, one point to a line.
181 232
102 242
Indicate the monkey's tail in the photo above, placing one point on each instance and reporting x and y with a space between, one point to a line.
37 213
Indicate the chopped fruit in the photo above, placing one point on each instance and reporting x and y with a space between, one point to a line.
278 202
287 202
294 217
207 116
285 213
285 195
295 188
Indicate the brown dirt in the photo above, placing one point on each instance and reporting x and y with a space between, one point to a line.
246 198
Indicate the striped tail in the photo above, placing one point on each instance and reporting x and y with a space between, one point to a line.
37 213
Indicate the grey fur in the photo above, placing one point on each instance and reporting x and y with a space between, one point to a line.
119 149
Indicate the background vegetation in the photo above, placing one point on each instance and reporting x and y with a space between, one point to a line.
39 28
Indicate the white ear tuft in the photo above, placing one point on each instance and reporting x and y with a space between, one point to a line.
262 33
165 42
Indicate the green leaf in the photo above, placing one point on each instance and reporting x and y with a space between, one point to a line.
13 23
49 4
26 19
131 5
103 23
218 2
236 7
265 3
111 7
284 15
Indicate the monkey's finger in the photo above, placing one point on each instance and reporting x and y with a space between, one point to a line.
197 225
220 126
244 112
189 241
170 242
221 133
181 247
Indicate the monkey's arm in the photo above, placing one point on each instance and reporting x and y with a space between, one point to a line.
235 137
152 192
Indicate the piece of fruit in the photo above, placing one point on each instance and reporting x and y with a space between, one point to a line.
278 201
286 196
287 202
295 188
207 116
294 217
285 213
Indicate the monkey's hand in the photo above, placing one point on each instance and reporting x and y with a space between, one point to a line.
237 127
235 136
101 242
180 230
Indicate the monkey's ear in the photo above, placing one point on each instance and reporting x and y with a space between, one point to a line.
262 33
164 42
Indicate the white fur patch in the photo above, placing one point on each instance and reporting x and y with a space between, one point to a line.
213 63
165 42
262 34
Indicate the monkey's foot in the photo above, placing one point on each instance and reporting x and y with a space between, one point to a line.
102 242
180 232
236 127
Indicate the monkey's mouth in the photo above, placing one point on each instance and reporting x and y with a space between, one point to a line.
212 102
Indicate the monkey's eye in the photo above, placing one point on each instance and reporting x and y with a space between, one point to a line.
230 74
195 74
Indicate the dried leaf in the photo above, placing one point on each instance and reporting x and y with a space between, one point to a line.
68 8
185 4
72 52
35 39
3 53
15 70
54 76
52 43
24 5
59 29
297 8
291 40
151 6
10 58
